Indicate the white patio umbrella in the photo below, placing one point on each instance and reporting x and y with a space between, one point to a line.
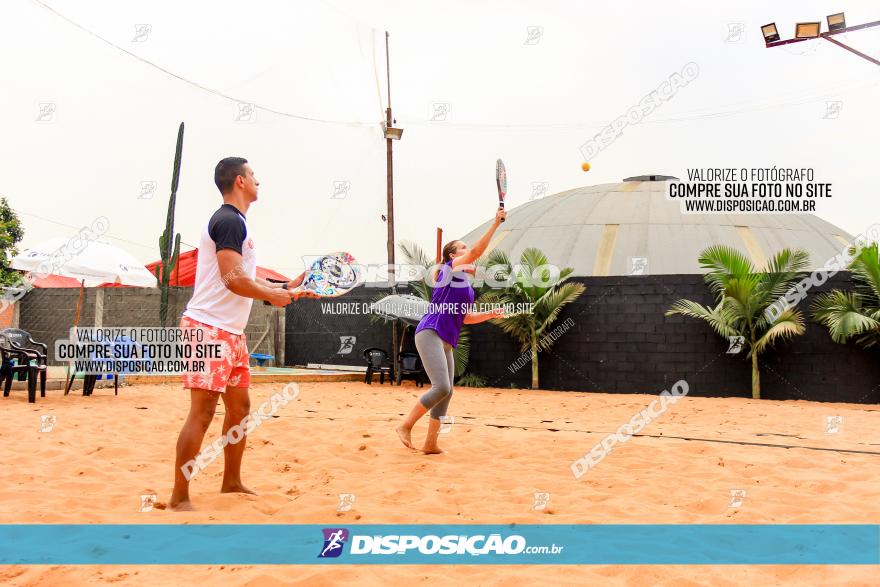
407 308
94 262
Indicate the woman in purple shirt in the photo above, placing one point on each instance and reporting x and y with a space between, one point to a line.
437 333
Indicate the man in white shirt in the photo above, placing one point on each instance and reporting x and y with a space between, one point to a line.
226 286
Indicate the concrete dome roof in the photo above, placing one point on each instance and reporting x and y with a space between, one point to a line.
633 228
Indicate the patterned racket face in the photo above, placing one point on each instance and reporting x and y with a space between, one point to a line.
501 181
332 275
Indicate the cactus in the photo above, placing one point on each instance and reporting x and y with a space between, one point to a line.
169 253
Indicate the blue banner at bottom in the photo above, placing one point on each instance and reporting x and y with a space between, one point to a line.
258 544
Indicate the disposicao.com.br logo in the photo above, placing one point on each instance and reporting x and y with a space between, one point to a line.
334 541
429 544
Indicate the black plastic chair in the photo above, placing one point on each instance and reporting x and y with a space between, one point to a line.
377 362
411 368
25 361
90 380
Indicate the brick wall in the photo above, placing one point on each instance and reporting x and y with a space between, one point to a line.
48 314
7 315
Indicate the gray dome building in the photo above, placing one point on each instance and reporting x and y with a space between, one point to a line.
632 227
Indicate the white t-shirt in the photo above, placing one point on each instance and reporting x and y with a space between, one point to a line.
212 302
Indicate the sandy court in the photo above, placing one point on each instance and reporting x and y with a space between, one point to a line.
104 452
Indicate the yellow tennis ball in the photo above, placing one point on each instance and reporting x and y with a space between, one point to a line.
585 166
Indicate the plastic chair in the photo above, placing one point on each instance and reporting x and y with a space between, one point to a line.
89 380
377 362
261 358
25 361
411 367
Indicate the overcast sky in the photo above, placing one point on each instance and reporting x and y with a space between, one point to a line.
526 81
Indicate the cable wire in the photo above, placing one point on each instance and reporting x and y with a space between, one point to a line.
197 84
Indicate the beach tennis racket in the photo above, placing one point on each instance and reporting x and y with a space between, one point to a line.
331 275
501 182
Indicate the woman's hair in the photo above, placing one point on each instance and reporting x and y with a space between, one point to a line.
448 249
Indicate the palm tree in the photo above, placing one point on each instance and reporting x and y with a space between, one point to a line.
743 294
854 314
531 283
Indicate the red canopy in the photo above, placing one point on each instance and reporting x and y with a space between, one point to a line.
184 273
53 280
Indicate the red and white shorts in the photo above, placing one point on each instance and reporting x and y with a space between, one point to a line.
231 369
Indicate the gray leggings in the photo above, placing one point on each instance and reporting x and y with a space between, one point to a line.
439 364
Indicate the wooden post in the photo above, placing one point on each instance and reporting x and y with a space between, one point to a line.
79 303
280 336
439 244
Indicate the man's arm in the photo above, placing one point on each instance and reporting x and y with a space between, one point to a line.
235 280
291 285
297 281
270 284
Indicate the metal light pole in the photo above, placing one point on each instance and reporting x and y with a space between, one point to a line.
771 34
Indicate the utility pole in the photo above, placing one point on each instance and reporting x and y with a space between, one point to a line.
389 122
391 134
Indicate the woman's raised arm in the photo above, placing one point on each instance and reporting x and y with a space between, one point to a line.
474 253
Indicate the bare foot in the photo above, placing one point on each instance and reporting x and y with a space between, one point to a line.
404 434
236 488
432 450
180 506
